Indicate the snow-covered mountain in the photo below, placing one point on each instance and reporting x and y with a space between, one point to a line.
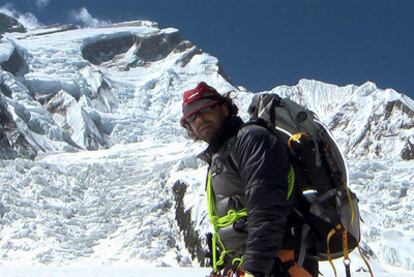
111 177
368 122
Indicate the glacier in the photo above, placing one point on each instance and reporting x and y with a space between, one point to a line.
96 171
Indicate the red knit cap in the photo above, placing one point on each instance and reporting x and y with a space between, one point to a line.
200 97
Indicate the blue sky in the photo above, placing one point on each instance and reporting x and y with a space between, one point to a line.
263 43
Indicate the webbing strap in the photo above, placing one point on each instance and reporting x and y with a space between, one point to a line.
345 248
345 244
210 197
347 269
303 244
294 269
328 251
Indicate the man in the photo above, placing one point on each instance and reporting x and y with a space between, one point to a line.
247 189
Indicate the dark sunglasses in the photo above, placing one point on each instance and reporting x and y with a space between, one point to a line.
192 117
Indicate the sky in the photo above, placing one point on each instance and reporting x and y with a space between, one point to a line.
266 43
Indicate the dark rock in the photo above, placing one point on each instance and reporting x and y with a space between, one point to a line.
397 104
24 148
16 64
5 117
184 45
403 192
6 150
225 76
186 58
5 90
365 133
13 144
8 24
157 47
149 49
2 210
408 151
57 28
192 239
106 49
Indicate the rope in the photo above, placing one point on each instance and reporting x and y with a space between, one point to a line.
218 223
345 244
228 219
291 181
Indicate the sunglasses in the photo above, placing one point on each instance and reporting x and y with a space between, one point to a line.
192 117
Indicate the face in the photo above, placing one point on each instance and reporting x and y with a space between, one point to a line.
207 121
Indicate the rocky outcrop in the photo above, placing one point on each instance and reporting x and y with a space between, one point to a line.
5 90
192 238
56 28
157 47
186 58
147 49
106 49
16 64
9 24
7 151
408 151
12 142
398 105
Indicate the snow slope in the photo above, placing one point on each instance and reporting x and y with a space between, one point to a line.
97 110
105 271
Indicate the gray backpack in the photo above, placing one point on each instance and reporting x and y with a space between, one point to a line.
329 209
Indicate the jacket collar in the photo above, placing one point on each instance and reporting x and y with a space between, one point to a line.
228 129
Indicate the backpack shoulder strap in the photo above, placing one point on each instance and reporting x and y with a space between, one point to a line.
254 121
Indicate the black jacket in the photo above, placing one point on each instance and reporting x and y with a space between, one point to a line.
249 169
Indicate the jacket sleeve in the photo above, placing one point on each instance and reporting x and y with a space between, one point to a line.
263 167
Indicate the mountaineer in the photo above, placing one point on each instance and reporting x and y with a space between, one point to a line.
257 232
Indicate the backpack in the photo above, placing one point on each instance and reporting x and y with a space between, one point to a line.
329 209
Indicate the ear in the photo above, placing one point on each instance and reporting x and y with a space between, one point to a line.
225 109
190 132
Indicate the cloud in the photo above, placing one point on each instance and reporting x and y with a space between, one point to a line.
40 4
28 20
86 19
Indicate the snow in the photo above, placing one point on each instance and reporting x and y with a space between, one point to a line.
131 270
6 49
91 271
111 211
90 206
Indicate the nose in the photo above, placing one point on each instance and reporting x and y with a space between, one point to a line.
199 117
